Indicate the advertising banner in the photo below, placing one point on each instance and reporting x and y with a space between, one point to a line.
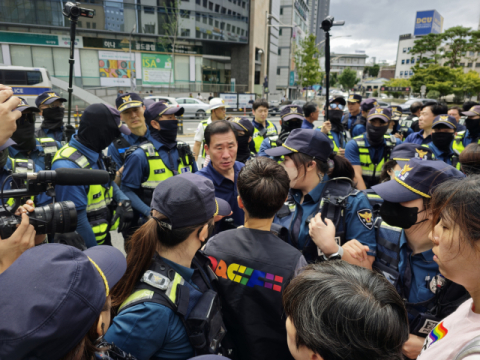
156 69
115 68
230 100
427 22
245 100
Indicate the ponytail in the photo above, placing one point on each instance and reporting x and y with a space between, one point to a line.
341 167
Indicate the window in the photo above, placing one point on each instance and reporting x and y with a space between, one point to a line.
404 50
198 2
216 23
412 60
185 14
204 18
279 51
210 21
217 8
401 73
222 26
278 71
233 29
462 64
205 3
149 28
94 25
186 32
88 25
409 48
228 27
408 61
197 17
469 64
210 6
190 101
244 4
257 77
280 32
224 11
472 53
403 62
229 12
148 10
411 73
477 65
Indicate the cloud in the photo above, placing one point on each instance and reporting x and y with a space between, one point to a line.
375 26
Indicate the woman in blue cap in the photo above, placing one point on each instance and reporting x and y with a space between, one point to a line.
168 280
322 182
404 250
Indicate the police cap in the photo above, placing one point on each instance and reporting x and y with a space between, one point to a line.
24 106
290 112
47 98
446 120
403 153
243 124
369 104
127 101
355 98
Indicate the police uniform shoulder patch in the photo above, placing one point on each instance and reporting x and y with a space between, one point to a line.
366 218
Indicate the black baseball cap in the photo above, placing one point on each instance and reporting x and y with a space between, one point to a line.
290 112
446 120
340 99
403 153
417 180
162 108
474 111
355 98
383 114
24 106
52 295
243 124
369 104
127 101
188 199
47 98
309 142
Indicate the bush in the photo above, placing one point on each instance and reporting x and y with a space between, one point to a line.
433 94
375 93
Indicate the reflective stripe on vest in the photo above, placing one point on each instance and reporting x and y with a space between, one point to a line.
457 145
369 169
158 171
97 212
330 136
204 124
49 145
258 139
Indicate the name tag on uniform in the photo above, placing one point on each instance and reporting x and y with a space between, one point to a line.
185 170
159 171
96 196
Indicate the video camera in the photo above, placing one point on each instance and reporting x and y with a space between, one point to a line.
60 217
73 11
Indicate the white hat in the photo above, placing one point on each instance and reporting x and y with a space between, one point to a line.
215 103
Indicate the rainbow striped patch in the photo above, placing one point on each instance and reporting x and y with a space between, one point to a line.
438 333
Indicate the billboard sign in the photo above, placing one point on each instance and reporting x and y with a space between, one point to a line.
229 99
115 68
245 101
157 69
427 22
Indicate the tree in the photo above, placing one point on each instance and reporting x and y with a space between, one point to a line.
348 79
333 79
374 70
467 85
397 83
427 44
436 77
306 62
458 40
171 15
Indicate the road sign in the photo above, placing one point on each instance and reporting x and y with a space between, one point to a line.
395 88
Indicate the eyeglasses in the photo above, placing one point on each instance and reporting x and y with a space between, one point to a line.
335 106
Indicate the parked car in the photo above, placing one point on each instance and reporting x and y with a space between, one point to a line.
406 107
168 100
194 107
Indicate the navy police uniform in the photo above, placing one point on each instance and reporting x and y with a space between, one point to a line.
442 142
350 120
52 125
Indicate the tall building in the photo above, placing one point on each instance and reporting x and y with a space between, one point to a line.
214 42
294 26
273 43
320 10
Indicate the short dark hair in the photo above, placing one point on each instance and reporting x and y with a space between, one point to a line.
218 127
417 105
458 108
260 102
341 166
470 159
263 187
467 105
309 108
436 108
339 309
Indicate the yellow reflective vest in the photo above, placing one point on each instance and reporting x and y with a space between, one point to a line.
259 136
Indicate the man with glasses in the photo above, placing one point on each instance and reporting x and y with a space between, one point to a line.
52 109
40 151
333 127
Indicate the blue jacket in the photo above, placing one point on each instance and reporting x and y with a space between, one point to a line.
133 140
37 154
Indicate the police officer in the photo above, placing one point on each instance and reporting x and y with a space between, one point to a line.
52 108
218 110
172 308
244 129
99 126
155 160
358 127
291 119
404 250
397 126
132 113
472 134
444 129
333 127
368 152
314 170
262 127
41 150
262 188
354 112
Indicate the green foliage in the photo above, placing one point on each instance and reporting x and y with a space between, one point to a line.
397 83
458 40
348 79
375 93
427 44
306 62
433 94
468 84
333 79
374 70
436 77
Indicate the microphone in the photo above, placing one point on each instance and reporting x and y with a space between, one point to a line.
68 176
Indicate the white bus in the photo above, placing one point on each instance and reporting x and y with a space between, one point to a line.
27 82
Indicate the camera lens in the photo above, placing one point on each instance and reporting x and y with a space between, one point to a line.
60 217
74 11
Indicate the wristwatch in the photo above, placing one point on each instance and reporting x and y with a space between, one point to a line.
335 256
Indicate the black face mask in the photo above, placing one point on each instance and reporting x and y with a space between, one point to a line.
335 117
167 134
98 128
53 118
442 140
3 158
290 125
400 216
24 136
243 151
473 127
375 134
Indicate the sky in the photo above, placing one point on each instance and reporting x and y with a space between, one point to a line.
375 25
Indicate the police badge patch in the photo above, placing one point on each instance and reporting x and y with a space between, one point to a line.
366 218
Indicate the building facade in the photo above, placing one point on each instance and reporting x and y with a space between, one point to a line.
320 10
339 62
214 43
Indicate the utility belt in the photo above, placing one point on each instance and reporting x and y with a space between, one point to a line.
111 351
203 320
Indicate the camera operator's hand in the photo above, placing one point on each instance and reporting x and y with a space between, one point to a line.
124 212
22 239
326 127
29 206
8 118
